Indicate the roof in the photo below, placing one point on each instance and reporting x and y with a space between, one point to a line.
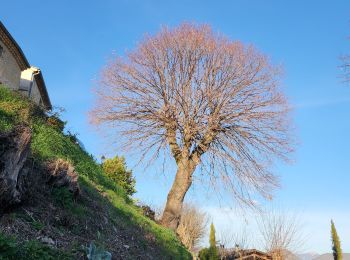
256 253
13 47
43 91
247 254
23 63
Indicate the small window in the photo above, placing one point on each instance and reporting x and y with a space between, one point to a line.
1 51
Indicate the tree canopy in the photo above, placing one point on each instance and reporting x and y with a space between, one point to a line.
208 100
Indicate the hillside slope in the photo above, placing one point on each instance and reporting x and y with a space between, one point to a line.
51 222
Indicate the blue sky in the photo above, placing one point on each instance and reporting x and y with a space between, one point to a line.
72 40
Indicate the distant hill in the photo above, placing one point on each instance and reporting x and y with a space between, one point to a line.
329 256
307 256
315 256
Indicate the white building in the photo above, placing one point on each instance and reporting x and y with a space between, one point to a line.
17 74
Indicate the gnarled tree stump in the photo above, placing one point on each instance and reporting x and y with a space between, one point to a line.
14 152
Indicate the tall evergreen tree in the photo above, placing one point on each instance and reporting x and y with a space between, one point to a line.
337 252
213 251
212 240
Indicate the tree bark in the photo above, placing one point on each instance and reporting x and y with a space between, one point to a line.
21 177
14 153
183 180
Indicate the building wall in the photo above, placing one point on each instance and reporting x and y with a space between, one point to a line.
10 72
35 94
28 85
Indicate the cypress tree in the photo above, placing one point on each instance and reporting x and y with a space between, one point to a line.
213 251
337 253
210 253
212 240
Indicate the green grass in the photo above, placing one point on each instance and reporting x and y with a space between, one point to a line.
11 249
50 143
63 197
38 225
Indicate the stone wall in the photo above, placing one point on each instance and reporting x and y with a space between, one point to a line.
10 72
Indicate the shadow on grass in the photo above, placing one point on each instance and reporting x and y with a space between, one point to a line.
130 222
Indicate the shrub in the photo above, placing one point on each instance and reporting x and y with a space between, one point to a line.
64 198
203 254
35 250
210 253
192 226
8 248
56 122
115 169
148 212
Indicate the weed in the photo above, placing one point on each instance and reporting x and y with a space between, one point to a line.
8 248
64 198
37 225
35 250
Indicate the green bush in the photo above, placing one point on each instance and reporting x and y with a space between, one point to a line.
115 168
37 225
8 247
56 122
35 250
210 253
64 198
204 254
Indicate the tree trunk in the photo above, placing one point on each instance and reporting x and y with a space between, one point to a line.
183 180
14 167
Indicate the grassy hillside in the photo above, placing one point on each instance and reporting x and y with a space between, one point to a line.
102 213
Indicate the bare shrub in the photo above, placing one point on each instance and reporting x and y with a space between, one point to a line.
281 233
192 227
241 238
229 240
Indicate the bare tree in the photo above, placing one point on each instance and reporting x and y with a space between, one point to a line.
229 240
210 101
281 233
192 227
